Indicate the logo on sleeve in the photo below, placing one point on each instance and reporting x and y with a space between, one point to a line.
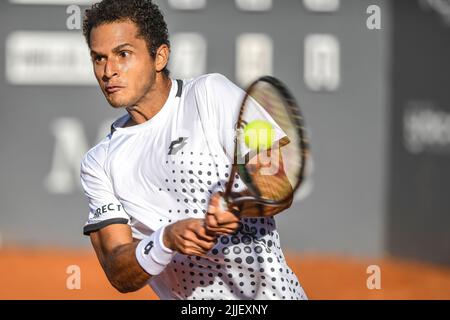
106 208
148 247
177 145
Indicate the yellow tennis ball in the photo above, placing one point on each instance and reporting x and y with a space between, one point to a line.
259 134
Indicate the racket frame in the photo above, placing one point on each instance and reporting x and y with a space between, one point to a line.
296 117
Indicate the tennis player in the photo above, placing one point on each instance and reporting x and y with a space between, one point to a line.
154 182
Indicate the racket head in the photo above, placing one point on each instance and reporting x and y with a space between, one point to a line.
269 100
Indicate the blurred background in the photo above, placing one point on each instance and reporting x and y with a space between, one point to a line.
372 78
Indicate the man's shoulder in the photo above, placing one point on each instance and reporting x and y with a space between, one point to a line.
97 154
99 151
206 82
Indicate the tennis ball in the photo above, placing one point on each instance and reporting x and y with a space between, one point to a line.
259 134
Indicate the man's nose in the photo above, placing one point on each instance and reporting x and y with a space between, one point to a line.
111 70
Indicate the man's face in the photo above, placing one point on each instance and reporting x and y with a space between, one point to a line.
122 63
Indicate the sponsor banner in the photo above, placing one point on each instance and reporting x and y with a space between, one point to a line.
418 220
48 58
54 2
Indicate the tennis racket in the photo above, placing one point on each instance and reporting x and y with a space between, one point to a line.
272 172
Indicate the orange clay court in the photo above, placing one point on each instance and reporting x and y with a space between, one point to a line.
41 274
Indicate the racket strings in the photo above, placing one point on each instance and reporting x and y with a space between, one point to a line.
276 185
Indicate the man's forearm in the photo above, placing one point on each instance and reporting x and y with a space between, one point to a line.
250 210
275 186
123 270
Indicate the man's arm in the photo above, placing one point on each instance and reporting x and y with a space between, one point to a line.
116 250
221 221
273 184
270 177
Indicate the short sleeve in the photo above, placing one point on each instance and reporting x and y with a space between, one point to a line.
104 208
221 102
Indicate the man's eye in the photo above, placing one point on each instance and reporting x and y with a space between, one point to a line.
98 59
124 54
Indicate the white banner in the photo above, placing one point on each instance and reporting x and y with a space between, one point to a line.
48 58
55 2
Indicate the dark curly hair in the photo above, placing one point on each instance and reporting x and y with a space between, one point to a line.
145 14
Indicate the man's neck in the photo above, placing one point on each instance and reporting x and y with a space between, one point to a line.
151 103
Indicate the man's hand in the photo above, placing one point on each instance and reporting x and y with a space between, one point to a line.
220 221
189 237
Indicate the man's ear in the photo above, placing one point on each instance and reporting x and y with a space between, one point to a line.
162 57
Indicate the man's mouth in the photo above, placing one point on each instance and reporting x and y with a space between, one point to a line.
112 89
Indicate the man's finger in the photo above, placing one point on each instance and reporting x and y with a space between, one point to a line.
226 217
201 244
225 233
232 228
211 220
215 200
195 252
212 208
202 234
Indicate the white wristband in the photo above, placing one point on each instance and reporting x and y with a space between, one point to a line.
151 253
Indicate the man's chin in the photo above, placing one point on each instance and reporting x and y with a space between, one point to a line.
117 104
